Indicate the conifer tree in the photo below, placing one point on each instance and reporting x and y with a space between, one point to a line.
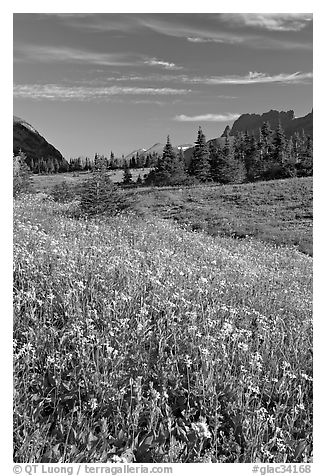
169 170
127 176
100 196
252 161
275 161
139 180
279 146
289 164
180 156
305 163
267 136
226 167
200 165
214 153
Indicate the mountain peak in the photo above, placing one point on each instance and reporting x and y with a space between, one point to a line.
36 147
253 122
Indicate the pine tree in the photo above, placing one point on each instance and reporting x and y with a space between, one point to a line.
127 176
252 160
99 195
139 181
199 166
305 164
279 146
169 170
289 165
100 163
275 161
267 137
214 153
180 156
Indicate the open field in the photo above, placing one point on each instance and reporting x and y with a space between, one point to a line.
45 182
279 211
137 340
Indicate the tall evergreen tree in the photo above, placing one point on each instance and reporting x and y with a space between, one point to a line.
253 160
200 164
279 145
127 175
267 138
214 153
305 164
234 169
169 170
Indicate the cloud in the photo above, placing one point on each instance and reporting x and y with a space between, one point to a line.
269 21
48 54
164 64
182 28
254 78
231 40
216 29
207 117
63 93
256 42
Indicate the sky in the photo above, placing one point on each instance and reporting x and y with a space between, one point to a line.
100 82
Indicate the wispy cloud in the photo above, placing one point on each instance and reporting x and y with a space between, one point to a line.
254 78
63 93
207 117
217 39
163 64
255 41
218 29
47 54
147 101
269 21
183 29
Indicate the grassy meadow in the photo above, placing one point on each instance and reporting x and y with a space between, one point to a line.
45 182
278 212
140 339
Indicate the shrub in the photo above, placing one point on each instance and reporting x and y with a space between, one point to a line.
99 196
21 175
63 192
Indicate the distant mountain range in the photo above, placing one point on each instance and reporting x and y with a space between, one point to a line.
36 147
290 124
155 149
253 122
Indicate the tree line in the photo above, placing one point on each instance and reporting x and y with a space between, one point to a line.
137 161
242 158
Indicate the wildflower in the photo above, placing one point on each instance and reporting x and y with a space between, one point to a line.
242 346
117 459
227 328
201 429
93 403
188 361
306 377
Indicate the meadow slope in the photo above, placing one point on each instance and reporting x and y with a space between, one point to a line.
277 211
137 340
